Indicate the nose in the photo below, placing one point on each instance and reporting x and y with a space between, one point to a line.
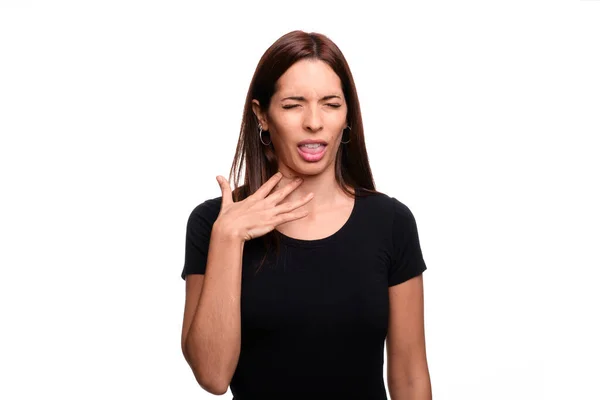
312 119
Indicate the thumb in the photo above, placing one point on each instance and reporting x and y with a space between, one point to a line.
225 190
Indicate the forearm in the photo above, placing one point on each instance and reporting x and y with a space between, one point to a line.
213 343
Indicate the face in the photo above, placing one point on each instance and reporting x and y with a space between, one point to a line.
308 105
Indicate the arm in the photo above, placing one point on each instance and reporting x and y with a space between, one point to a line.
408 373
211 337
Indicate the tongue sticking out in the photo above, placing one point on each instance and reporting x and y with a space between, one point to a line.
312 150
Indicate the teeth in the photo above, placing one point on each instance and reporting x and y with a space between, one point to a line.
312 145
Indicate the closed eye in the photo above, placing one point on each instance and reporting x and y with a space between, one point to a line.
288 106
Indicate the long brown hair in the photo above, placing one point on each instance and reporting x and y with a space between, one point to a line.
352 167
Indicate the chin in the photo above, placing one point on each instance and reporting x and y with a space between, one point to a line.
312 169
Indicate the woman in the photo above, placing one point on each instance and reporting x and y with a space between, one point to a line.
296 279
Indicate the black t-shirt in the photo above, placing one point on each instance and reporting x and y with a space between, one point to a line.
314 320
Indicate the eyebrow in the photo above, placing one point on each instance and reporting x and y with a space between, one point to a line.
301 98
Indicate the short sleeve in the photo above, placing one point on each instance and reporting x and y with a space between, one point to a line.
407 258
197 237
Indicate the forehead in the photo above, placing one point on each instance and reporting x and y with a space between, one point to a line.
309 78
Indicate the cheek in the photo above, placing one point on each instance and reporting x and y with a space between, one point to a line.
282 143
285 131
289 123
280 122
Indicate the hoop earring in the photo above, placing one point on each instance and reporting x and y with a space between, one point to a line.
260 131
348 135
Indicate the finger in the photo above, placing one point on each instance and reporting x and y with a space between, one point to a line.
225 190
280 194
292 205
292 216
266 188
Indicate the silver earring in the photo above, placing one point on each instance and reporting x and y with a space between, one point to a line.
348 135
260 131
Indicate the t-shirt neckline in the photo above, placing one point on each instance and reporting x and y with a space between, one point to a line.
331 238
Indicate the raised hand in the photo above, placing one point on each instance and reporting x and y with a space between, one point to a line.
259 213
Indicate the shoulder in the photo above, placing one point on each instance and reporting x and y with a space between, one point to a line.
403 220
206 212
391 206
389 213
373 200
400 210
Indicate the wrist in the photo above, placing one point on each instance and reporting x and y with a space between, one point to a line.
221 233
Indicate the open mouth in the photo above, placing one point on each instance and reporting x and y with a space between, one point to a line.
313 148
312 152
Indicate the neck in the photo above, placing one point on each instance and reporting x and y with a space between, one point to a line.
327 192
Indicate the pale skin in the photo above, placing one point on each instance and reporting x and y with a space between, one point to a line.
312 209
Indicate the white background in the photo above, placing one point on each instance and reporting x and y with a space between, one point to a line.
116 116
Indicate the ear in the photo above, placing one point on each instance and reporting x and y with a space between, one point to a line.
262 118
